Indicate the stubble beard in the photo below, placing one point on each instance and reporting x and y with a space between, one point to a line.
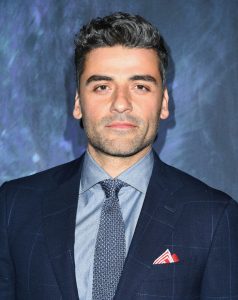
123 144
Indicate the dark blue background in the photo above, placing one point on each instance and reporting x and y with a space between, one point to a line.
38 84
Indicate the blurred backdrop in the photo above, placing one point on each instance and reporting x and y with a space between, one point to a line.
37 81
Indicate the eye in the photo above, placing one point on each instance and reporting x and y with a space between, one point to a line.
142 88
101 88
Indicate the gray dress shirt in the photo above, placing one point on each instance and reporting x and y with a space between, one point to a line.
91 198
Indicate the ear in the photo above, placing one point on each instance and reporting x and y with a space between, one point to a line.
77 112
164 113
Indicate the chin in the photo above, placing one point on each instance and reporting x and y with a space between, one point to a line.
120 147
120 151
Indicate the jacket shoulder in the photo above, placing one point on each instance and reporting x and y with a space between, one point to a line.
47 178
192 189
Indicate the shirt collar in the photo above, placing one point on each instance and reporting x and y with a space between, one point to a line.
92 173
137 176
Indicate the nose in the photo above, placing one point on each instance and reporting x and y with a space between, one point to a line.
121 101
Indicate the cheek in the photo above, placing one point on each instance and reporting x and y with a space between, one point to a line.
94 118
90 112
150 112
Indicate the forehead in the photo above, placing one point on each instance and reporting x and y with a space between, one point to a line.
121 61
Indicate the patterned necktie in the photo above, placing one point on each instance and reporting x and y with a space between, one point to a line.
110 250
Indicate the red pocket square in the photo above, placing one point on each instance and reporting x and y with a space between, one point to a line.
166 258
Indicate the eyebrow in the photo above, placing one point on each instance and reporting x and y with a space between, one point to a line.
98 78
146 77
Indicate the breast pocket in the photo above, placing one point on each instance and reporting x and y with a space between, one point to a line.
163 271
160 280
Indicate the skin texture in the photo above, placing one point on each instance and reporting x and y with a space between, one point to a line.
121 101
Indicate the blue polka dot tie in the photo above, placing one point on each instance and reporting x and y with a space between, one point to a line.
110 250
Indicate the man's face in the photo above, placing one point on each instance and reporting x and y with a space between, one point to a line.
121 100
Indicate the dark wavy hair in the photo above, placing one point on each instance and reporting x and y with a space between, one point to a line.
119 28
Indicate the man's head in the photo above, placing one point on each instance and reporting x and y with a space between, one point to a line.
131 31
121 94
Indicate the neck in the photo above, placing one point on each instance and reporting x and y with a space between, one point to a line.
115 165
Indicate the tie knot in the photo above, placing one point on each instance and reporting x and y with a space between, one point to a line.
111 187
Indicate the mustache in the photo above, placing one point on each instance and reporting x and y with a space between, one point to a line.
121 118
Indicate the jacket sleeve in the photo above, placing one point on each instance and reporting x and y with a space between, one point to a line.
220 280
7 277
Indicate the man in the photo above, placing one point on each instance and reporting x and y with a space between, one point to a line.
118 223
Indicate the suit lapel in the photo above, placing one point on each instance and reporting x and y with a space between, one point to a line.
59 214
154 229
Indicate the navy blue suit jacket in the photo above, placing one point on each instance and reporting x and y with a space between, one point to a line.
198 223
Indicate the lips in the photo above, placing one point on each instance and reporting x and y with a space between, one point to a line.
121 125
